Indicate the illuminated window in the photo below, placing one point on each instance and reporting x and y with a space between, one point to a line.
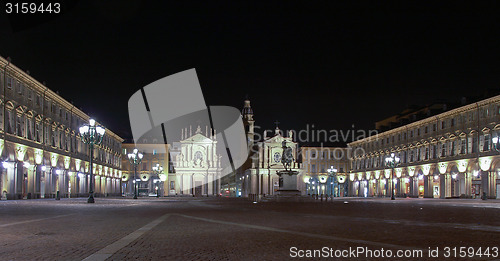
19 126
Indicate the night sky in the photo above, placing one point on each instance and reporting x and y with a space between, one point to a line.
328 63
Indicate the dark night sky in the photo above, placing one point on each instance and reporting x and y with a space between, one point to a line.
322 63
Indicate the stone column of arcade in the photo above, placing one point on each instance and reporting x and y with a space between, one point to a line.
442 185
484 184
428 191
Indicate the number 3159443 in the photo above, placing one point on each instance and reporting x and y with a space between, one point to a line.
32 8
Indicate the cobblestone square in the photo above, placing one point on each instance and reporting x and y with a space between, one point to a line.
238 229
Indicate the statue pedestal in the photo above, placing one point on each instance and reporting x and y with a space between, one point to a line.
288 185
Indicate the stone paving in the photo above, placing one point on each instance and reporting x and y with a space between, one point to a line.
237 229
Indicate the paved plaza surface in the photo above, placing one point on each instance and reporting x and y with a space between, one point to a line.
238 229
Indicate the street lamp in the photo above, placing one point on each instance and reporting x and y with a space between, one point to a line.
333 176
135 159
159 170
92 135
392 162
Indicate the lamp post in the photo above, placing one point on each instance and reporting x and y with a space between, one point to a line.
159 170
316 185
333 176
135 159
392 162
92 135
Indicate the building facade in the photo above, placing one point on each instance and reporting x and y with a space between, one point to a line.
325 171
259 175
192 169
197 164
149 181
446 155
42 152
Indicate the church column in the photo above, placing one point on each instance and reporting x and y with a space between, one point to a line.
214 184
214 155
270 184
254 183
205 186
261 183
182 157
217 187
209 156
210 184
261 153
265 184
181 191
192 184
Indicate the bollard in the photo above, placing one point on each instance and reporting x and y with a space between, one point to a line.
58 197
321 197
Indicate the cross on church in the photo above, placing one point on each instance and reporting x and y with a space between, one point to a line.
198 129
277 123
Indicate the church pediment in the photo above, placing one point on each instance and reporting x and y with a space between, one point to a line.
278 139
197 138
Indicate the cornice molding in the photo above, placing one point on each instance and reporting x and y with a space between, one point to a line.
465 108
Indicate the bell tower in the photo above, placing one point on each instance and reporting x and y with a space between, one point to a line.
248 121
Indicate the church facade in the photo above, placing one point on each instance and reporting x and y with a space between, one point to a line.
197 164
258 177
190 167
